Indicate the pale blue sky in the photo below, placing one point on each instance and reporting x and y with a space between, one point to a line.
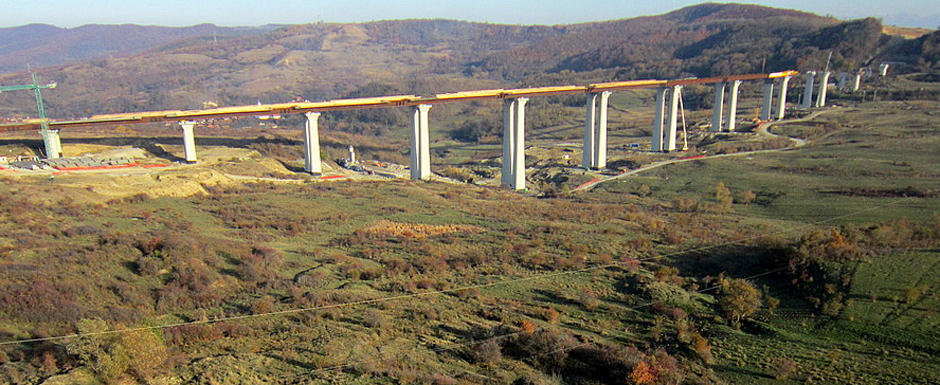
72 13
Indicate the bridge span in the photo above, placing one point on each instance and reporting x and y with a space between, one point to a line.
595 133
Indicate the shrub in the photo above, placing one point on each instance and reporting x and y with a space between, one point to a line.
723 196
113 357
783 368
701 348
375 319
487 351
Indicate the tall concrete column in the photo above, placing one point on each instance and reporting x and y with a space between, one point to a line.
883 69
823 86
657 143
189 141
590 130
673 117
765 111
600 134
509 141
857 83
312 144
518 167
782 98
420 143
808 90
718 106
514 144
52 143
842 80
733 105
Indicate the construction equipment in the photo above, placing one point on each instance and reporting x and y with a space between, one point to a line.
36 87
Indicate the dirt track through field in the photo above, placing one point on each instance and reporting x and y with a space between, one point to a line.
762 129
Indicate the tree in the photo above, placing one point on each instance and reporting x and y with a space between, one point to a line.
723 196
739 300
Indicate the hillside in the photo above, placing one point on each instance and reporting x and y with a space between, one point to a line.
42 45
324 60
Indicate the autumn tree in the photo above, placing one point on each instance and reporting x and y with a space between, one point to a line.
114 357
738 300
723 196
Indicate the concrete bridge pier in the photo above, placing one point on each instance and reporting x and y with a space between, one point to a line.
782 98
883 69
52 143
420 143
718 106
765 111
513 173
843 78
595 131
823 87
808 90
658 119
673 117
857 83
312 144
189 141
733 105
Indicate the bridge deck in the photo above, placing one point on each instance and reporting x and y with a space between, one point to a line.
371 102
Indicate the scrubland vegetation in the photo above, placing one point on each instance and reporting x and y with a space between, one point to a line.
660 279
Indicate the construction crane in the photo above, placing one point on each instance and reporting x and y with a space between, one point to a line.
36 87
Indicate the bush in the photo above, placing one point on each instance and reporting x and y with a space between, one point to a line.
488 351
114 357
783 368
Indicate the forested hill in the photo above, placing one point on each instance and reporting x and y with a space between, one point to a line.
44 45
326 60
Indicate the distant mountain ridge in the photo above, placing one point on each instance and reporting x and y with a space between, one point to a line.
41 45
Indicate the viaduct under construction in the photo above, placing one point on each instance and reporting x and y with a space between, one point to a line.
513 144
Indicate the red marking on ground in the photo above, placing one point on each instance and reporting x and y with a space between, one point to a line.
98 167
153 165
586 183
332 177
692 157
59 173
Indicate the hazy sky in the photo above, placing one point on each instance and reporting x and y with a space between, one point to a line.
72 13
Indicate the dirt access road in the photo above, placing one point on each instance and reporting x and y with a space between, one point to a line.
762 129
